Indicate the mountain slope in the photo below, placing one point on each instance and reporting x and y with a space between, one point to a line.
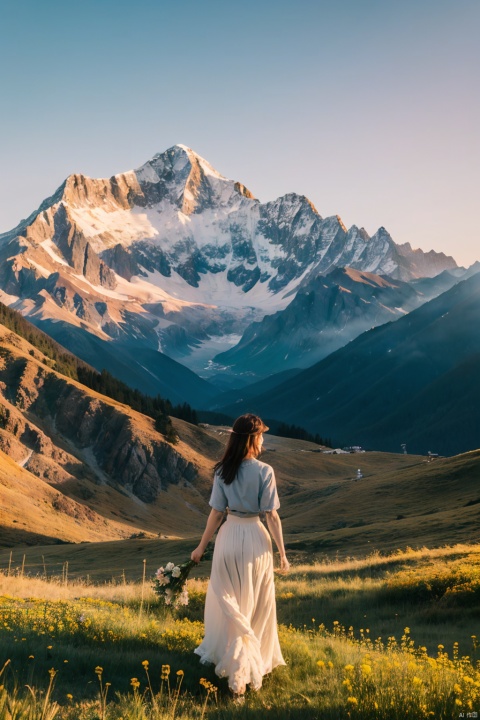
325 315
143 368
413 381
417 503
95 467
402 500
83 467
173 258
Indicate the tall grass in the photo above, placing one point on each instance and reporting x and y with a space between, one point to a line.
110 656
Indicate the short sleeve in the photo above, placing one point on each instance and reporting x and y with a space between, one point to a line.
268 499
218 499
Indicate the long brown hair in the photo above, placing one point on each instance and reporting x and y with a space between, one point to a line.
246 431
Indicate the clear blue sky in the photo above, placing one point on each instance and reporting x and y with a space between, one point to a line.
371 108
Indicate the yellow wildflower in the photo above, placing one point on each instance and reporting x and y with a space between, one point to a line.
352 700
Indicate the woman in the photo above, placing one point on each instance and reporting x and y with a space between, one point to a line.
241 635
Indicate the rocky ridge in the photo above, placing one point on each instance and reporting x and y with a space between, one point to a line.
412 381
177 259
326 314
98 454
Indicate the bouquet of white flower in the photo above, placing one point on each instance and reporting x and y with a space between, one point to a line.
170 582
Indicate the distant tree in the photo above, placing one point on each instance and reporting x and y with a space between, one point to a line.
299 433
214 418
185 412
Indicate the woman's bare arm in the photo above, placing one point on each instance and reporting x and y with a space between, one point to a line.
275 526
213 523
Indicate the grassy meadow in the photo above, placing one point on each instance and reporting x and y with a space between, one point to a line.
378 617
385 636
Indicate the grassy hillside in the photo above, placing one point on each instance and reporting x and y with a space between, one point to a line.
88 494
58 482
384 638
34 513
401 501
64 362
95 612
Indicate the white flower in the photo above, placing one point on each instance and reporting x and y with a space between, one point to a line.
169 567
168 601
183 598
176 571
159 573
168 592
163 579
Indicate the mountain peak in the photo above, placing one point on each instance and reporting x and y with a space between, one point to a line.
188 181
176 159
196 158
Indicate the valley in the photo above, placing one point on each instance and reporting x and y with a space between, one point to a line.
401 501
381 596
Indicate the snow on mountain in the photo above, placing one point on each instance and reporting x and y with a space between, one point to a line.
177 257
413 381
325 315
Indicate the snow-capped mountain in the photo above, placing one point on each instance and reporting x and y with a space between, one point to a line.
175 258
413 381
324 316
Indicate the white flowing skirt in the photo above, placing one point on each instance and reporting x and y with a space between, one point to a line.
241 636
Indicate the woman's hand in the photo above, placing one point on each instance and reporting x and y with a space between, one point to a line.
213 522
284 564
196 555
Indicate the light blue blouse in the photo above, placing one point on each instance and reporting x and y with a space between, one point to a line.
253 491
